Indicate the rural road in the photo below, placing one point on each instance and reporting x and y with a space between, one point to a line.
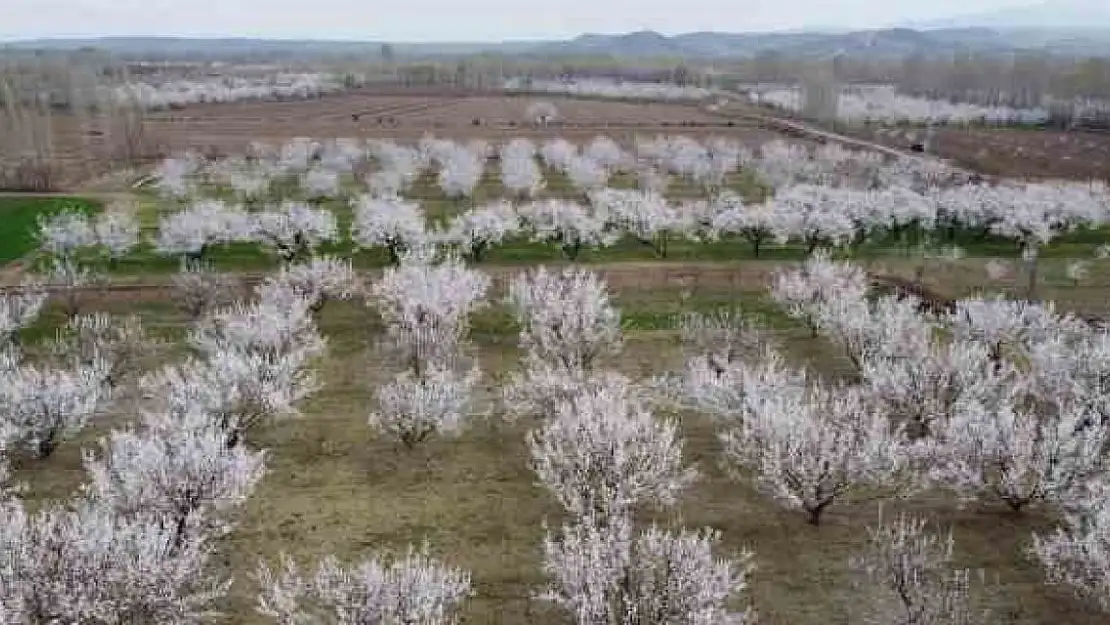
796 128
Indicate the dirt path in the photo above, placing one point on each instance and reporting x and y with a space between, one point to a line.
11 274
635 275
103 196
792 127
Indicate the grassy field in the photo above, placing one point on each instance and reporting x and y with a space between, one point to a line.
334 487
16 234
249 257
18 221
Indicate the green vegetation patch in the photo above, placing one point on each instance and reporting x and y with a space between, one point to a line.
19 221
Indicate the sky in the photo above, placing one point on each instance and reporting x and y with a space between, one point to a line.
455 20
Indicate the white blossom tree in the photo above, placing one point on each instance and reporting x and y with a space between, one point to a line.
887 328
238 390
603 453
413 406
65 233
758 223
1035 214
909 578
425 303
565 317
177 468
586 174
318 280
117 346
566 325
200 288
646 216
925 388
604 574
567 224
391 223
1077 555
480 228
256 363
41 406
293 230
808 445
558 153
722 338
70 240
459 174
19 308
801 292
250 185
1000 447
193 231
411 589
274 329
519 172
88 564
816 215
320 184
117 232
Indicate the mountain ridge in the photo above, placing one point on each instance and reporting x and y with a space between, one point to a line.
1075 15
885 43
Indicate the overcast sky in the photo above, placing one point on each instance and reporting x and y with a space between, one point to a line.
454 20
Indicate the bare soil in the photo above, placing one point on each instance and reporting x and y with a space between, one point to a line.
399 114
230 127
333 486
1015 153
409 114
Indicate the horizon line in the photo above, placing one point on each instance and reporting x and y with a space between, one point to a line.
538 39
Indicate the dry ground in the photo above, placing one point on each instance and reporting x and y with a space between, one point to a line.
408 114
334 487
1017 153
229 128
1007 152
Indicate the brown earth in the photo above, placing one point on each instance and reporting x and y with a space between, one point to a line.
335 486
228 128
409 114
1006 152
1015 153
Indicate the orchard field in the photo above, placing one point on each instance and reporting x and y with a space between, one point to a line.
346 348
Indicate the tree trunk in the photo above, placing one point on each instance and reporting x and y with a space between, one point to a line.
1031 285
815 514
47 445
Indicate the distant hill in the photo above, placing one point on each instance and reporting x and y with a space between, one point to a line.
889 43
886 43
261 49
644 43
1074 15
